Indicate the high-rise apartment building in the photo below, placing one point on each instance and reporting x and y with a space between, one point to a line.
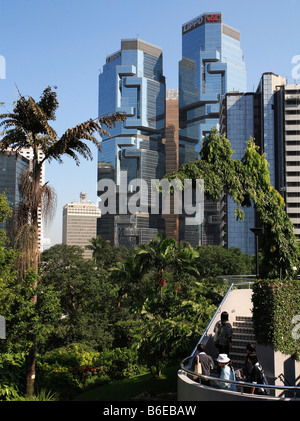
212 64
80 224
132 83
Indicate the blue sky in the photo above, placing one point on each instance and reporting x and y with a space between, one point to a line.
65 43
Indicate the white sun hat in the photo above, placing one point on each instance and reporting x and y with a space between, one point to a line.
223 358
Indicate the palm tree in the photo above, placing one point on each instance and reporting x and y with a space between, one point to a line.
28 127
157 256
102 251
184 262
126 275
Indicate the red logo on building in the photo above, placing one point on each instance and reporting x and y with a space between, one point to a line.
213 18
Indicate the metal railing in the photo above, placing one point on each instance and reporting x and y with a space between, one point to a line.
241 384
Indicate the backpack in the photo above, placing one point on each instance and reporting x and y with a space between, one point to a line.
262 380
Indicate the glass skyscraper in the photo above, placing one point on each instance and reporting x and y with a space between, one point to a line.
212 64
239 112
270 115
132 83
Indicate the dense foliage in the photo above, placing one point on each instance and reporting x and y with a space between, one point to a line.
107 318
247 181
275 305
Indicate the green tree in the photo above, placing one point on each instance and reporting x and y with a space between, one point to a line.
214 261
156 256
28 127
102 251
8 273
86 297
168 325
247 181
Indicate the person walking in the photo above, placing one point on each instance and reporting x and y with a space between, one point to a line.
223 334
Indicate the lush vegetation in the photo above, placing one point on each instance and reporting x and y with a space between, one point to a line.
97 322
29 126
278 325
74 323
247 181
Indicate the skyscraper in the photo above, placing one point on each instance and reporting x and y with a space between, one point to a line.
238 122
171 142
132 82
212 64
12 164
271 115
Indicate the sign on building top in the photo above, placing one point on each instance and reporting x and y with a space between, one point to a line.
201 20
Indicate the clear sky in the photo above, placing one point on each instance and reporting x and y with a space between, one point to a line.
65 43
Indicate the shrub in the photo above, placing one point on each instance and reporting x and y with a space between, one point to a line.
275 305
68 370
11 376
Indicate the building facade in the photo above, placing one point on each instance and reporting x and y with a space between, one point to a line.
132 83
80 224
238 123
270 115
12 165
212 64
287 129
171 142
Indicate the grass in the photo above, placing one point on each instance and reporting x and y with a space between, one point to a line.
125 390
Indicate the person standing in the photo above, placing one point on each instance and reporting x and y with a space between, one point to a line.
223 334
227 372
206 361
257 376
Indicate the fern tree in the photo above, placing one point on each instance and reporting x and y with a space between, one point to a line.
28 126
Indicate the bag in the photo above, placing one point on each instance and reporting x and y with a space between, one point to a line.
264 381
198 368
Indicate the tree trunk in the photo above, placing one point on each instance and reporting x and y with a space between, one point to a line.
30 368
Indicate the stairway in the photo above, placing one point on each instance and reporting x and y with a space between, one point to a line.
242 334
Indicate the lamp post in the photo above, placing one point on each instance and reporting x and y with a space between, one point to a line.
256 231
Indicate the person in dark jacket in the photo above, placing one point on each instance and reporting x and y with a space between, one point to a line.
206 361
223 334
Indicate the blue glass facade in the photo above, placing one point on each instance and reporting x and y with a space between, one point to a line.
11 169
132 82
212 64
239 123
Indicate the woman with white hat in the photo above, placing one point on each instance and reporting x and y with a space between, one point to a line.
227 372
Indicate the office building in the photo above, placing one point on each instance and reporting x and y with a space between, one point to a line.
80 224
12 165
171 142
287 130
212 64
28 153
237 121
270 115
132 83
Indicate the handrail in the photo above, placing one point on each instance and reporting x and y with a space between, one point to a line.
240 383
294 389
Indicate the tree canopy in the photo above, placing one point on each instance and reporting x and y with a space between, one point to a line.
247 181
